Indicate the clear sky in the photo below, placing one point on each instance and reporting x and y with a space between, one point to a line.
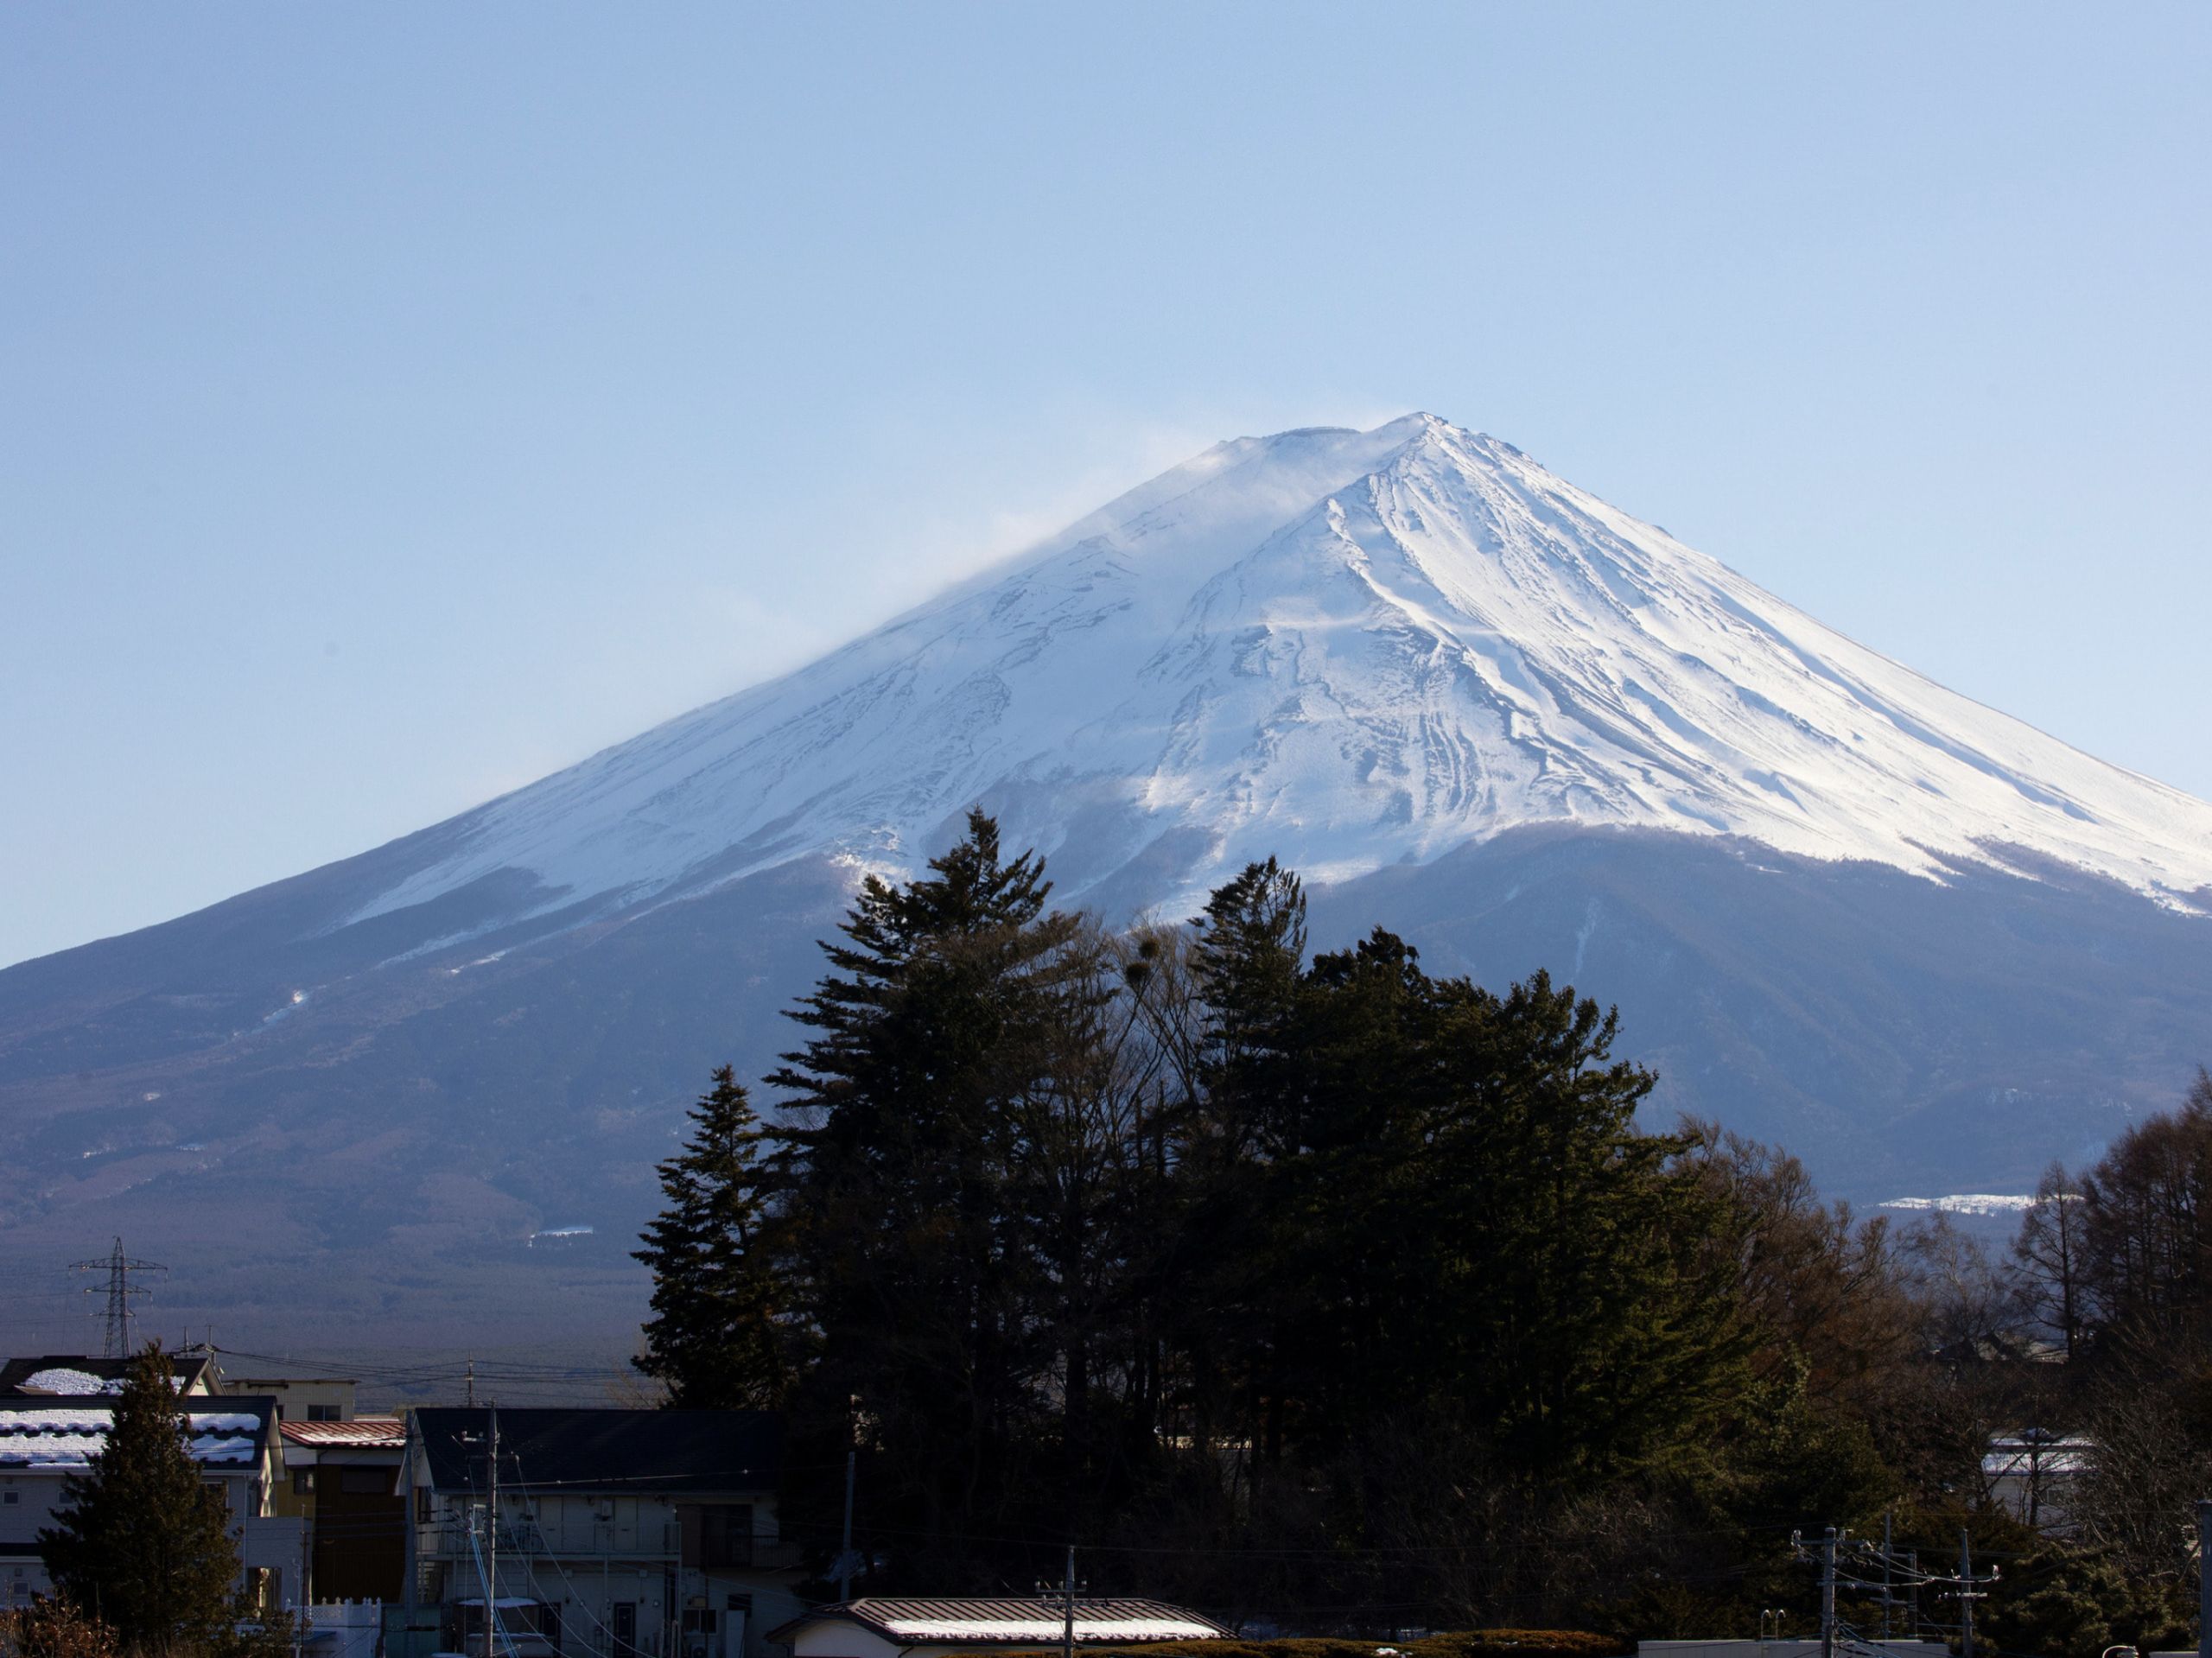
404 401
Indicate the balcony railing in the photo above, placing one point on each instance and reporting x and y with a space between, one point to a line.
453 1541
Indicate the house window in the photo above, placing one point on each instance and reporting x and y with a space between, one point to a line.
10 1498
322 1412
304 1482
716 1533
741 1604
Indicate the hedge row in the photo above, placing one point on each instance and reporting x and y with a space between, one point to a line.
1468 1643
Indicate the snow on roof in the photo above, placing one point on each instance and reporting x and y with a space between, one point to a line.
2039 1456
1023 1621
71 1437
62 1379
88 1421
1048 1627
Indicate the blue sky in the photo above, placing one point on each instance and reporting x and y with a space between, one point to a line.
404 402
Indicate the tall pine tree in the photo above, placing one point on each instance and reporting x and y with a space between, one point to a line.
714 1339
906 1153
141 1542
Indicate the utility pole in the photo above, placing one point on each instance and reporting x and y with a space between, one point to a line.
492 1533
1065 1595
2204 1577
845 1549
1885 1574
1828 1594
1967 1595
118 1268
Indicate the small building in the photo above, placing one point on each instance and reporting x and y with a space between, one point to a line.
878 1626
342 1478
45 1439
2032 1474
620 1534
300 1399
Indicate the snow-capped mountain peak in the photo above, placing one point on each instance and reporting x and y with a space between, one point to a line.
1347 649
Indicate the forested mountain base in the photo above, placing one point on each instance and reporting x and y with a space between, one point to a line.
1339 1295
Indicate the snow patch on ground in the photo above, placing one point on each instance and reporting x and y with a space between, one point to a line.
1965 1202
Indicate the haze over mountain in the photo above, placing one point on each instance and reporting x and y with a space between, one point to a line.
1842 907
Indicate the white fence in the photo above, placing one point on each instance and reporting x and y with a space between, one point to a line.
358 1625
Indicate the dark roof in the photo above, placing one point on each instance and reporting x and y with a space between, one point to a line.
637 1452
14 1373
1038 1621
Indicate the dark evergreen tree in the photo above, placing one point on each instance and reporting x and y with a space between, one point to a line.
141 1543
1588 1309
1232 1308
940 1021
715 1338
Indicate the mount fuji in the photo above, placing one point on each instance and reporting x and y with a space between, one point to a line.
1921 943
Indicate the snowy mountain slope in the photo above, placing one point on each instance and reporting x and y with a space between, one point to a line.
1349 649
1840 908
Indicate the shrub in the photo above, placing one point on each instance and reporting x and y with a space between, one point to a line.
54 1629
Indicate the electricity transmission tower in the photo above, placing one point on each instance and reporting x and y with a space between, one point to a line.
118 1268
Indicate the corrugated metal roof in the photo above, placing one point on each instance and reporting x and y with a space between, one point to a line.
384 1432
1015 1623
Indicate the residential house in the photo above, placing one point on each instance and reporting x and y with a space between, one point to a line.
342 1478
45 1439
881 1628
620 1534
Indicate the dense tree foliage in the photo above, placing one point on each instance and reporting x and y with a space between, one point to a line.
1319 1284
